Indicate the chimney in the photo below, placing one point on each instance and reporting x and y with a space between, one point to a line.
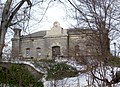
16 43
17 33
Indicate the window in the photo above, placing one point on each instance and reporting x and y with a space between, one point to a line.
55 51
77 50
27 52
38 52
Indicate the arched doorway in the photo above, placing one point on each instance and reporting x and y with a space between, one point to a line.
55 51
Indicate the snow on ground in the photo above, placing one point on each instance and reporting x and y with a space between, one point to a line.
80 81
72 63
68 82
27 63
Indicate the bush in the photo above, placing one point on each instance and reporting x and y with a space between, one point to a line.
60 71
114 61
19 76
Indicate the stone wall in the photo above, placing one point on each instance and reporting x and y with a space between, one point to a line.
68 42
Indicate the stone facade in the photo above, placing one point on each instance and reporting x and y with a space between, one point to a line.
57 42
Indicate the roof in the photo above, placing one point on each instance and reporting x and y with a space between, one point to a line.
78 31
37 34
69 31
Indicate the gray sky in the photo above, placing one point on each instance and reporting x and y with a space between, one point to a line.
56 12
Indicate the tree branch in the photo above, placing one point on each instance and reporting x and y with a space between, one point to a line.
16 10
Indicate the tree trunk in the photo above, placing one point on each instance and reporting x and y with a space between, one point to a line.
1 47
3 30
4 26
2 40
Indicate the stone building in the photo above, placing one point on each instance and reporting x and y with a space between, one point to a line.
57 42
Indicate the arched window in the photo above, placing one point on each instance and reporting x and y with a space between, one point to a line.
27 52
38 52
77 50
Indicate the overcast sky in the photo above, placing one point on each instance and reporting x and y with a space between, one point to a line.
52 14
56 12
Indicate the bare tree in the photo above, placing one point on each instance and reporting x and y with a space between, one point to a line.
102 18
8 14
